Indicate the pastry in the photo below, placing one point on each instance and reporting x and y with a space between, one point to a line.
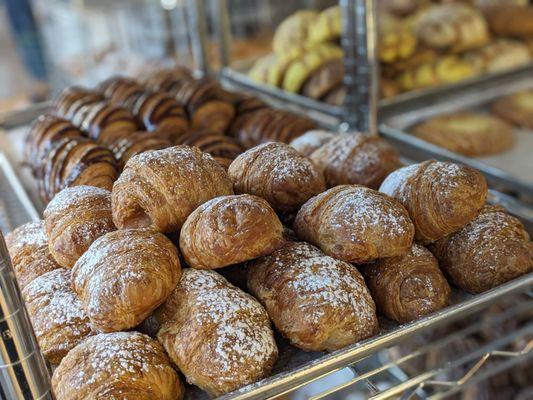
104 122
212 142
278 173
159 189
167 79
317 302
467 133
336 96
312 140
492 249
159 111
510 20
74 219
137 142
218 336
407 287
28 249
324 79
229 230
355 224
441 197
396 39
122 365
73 101
500 55
74 162
327 27
56 314
516 108
293 32
124 276
356 158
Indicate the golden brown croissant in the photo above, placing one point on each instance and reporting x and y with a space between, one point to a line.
407 287
355 224
137 142
229 230
492 249
441 197
28 248
311 141
317 302
356 159
56 314
124 276
278 173
75 218
122 365
217 335
159 189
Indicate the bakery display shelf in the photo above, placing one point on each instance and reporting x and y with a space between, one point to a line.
14 119
510 170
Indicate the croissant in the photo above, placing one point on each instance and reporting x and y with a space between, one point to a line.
122 91
74 219
441 197
135 143
229 230
356 159
407 287
324 79
311 141
294 31
56 314
212 142
166 80
122 365
355 224
217 335
73 101
492 249
336 96
124 276
105 122
28 249
159 189
317 302
278 173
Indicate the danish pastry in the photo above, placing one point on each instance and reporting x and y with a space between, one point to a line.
516 108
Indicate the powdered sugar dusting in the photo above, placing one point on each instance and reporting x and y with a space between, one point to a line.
397 179
310 141
75 197
30 234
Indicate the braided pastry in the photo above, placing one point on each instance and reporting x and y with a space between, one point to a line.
124 276
217 335
136 143
229 230
123 365
492 249
212 142
407 287
159 189
317 302
441 197
75 218
311 141
355 224
277 173
56 314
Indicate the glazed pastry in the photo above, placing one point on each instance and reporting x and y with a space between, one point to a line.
105 122
407 287
212 142
159 189
73 102
510 20
492 249
56 314
137 142
162 112
229 230
293 32
516 108
500 55
166 80
312 140
75 218
122 365
324 79
28 249
355 224
356 159
74 162
327 27
467 133
218 336
441 197
278 173
317 302
124 276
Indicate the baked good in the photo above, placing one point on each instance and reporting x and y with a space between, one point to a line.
407 287
212 142
355 224
72 103
324 79
327 26
317 302
167 79
278 173
56 314
124 276
499 55
401 7
105 122
516 108
356 159
159 189
162 112
28 249
293 32
510 20
217 335
397 41
467 133
74 162
441 197
135 143
229 230
75 218
336 96
492 249
122 365
312 140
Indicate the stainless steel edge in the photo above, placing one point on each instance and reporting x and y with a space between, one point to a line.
17 118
